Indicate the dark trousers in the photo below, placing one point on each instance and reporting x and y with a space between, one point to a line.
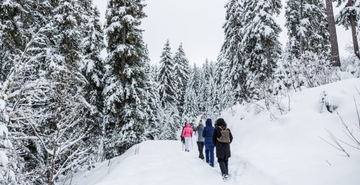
200 145
223 163
209 155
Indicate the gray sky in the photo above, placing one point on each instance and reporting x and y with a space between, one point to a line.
197 24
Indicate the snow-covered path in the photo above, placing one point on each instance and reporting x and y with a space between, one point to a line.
164 162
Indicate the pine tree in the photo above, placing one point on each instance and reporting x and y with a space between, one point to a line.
16 29
214 92
221 99
260 45
153 105
167 79
306 23
92 67
191 102
207 89
308 38
332 32
182 76
168 94
125 77
231 61
196 84
348 17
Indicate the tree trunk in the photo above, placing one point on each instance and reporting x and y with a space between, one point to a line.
332 32
123 62
123 57
352 20
301 38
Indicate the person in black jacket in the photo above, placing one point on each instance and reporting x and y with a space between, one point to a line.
223 152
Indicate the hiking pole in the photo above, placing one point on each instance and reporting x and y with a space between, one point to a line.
192 143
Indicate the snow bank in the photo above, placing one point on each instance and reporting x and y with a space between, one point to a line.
285 151
290 149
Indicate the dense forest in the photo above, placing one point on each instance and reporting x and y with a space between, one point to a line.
65 107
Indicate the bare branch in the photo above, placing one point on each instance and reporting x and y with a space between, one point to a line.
357 90
348 143
38 136
350 133
357 111
337 143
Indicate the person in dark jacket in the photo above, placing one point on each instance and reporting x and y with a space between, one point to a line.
208 142
200 141
223 152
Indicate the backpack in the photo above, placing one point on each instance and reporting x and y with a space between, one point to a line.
225 135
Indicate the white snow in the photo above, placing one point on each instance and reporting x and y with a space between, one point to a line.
286 151
2 104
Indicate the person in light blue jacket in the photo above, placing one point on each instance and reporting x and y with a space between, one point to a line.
209 145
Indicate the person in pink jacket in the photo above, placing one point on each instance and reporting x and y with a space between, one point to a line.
187 134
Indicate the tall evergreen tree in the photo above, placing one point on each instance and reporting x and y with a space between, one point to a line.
167 78
168 94
308 37
261 46
153 105
231 63
196 84
221 99
206 93
191 102
306 23
332 32
16 29
125 77
92 67
348 17
182 76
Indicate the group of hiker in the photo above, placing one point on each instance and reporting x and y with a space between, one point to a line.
211 137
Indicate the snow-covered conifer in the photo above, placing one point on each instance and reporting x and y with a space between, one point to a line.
231 67
168 84
206 95
182 76
92 67
260 42
348 17
306 23
191 100
125 77
16 29
167 78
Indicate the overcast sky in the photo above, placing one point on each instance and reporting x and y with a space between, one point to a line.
197 24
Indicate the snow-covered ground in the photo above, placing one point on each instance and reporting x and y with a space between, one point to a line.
287 150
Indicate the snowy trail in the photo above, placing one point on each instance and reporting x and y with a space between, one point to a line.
164 162
287 151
